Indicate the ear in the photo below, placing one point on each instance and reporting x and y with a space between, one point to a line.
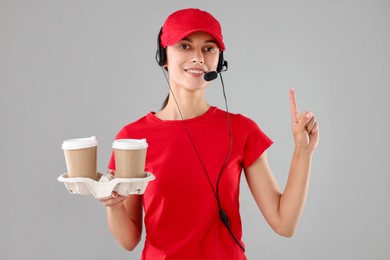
165 65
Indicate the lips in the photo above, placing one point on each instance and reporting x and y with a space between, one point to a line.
195 72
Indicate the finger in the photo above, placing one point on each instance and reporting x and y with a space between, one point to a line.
105 199
310 125
110 199
304 120
114 195
315 129
294 107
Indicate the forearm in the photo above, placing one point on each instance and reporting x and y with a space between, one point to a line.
283 210
294 196
123 228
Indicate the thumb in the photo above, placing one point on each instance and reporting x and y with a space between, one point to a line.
114 195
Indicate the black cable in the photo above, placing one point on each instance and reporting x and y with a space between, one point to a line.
222 213
189 135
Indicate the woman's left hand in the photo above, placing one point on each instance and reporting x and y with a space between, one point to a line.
304 126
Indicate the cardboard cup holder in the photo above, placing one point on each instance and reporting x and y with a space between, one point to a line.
103 187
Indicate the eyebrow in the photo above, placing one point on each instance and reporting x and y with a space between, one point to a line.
208 41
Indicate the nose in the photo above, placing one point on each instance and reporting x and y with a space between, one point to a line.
198 56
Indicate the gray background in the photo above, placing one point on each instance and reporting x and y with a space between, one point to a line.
76 68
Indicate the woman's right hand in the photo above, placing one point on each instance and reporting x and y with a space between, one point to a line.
112 201
124 214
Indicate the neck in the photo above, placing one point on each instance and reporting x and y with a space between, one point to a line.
191 106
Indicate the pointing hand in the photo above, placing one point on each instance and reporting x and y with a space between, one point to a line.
304 126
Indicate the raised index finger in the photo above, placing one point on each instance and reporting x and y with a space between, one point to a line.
293 106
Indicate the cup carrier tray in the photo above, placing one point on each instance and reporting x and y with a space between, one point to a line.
105 185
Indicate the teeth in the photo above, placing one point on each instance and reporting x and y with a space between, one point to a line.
195 71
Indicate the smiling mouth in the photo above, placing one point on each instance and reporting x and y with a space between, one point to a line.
195 71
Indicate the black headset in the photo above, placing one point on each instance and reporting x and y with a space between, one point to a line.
161 56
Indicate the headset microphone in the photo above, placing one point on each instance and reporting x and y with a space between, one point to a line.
222 66
211 75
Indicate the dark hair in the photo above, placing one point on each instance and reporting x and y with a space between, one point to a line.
165 102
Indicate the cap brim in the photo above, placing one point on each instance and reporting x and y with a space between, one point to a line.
178 37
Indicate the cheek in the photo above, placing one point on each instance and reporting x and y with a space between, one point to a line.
173 66
173 61
214 62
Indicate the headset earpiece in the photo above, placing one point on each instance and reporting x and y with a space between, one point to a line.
161 52
222 63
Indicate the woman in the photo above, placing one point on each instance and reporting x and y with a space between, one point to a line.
197 153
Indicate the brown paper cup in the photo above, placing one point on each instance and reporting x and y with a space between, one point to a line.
130 156
81 157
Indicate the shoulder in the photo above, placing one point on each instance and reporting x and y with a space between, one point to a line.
245 126
135 126
241 124
240 120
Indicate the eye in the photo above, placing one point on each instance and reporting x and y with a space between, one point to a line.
211 48
184 46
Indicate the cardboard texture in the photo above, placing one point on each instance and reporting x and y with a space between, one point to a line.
130 163
82 162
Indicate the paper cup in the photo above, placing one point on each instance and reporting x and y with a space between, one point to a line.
130 156
81 157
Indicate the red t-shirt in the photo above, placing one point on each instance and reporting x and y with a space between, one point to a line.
181 212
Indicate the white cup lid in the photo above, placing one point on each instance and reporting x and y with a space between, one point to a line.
79 143
130 144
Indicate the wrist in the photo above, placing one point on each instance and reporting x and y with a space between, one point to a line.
304 151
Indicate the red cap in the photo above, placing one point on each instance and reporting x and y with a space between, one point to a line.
184 22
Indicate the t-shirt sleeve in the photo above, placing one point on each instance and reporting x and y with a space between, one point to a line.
255 141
